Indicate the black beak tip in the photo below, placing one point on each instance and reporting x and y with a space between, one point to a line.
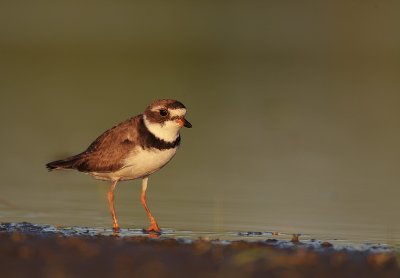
187 124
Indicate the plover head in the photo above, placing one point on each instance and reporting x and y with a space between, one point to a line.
164 118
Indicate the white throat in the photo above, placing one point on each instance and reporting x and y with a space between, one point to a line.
167 131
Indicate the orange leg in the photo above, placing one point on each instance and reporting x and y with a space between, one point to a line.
153 224
110 196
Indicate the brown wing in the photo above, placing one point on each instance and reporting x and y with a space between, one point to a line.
108 151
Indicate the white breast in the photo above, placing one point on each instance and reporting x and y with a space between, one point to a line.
140 163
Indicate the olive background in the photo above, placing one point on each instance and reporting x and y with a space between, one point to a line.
294 106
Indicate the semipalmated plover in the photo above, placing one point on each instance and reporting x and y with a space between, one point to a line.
133 149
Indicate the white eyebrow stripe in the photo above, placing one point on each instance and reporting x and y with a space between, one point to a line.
156 108
177 112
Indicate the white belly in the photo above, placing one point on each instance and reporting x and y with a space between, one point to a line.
140 163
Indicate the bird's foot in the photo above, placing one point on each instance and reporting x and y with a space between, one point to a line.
154 228
116 229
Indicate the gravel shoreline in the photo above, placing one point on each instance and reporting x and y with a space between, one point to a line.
53 255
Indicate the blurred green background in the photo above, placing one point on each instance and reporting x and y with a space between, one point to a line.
294 104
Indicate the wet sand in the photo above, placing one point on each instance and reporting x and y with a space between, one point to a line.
39 253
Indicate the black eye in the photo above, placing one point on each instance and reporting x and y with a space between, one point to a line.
163 112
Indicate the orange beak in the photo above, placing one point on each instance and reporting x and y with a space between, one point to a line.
182 122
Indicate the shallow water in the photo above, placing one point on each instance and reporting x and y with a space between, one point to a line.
296 128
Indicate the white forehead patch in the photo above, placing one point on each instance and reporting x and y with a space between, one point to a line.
180 112
156 108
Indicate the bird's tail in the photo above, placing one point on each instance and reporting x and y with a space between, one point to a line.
67 163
